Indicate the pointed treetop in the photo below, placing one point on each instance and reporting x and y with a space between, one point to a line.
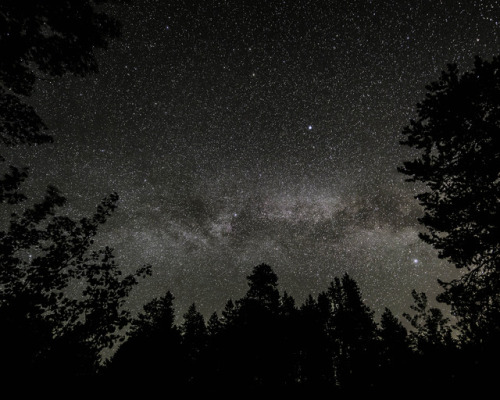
263 287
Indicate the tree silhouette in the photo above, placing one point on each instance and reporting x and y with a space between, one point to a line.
152 350
263 288
431 328
394 337
289 341
212 360
214 325
229 314
330 343
42 40
353 333
194 343
193 329
255 323
433 343
396 357
458 135
61 300
316 359
252 343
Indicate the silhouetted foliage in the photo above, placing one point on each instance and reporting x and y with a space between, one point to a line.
396 357
253 322
431 329
353 333
194 344
42 40
330 343
432 342
289 317
153 348
263 288
61 301
315 356
458 135
193 329
214 325
229 314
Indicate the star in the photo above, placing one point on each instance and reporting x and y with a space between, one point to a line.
209 115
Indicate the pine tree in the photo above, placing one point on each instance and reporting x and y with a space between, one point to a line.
315 355
396 357
153 347
457 133
194 343
214 325
353 334
263 288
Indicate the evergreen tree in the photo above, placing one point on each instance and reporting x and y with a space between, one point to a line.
194 343
289 346
394 337
250 345
287 306
158 315
214 325
214 354
259 327
263 288
396 357
457 132
193 328
315 355
152 350
229 314
353 333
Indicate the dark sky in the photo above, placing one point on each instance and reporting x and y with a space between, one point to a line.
241 132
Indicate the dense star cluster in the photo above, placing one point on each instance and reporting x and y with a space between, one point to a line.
242 132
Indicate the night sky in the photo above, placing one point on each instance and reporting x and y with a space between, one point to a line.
246 132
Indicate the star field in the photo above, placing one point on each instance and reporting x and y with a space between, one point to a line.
242 132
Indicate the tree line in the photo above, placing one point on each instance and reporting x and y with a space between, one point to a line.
266 340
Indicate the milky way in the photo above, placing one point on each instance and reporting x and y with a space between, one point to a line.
242 132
